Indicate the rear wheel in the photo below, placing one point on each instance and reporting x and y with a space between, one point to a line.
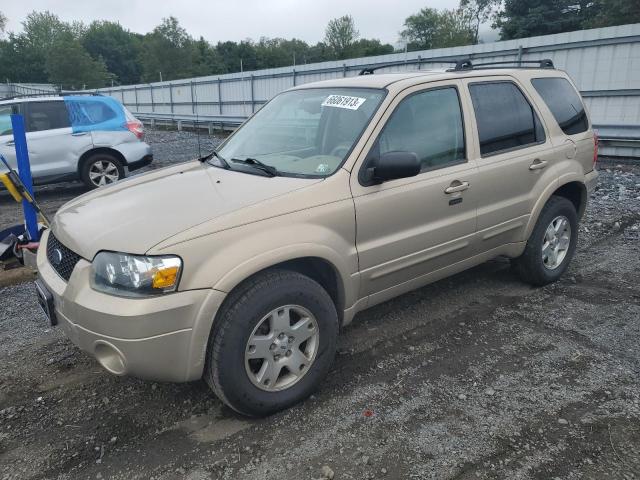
551 244
272 344
101 169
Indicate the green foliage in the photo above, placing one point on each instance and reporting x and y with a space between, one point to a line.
431 28
340 35
119 48
526 18
479 12
69 65
3 23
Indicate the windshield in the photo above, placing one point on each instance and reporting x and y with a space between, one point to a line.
305 132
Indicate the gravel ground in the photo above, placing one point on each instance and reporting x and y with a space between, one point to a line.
475 376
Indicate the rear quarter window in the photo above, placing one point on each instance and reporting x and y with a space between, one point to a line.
564 102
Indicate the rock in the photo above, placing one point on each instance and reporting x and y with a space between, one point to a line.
327 472
365 460
113 439
462 396
383 471
490 391
562 421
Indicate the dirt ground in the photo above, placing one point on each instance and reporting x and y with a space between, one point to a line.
476 376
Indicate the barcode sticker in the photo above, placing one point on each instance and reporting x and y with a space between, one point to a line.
343 101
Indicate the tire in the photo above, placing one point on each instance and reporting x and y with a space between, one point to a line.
248 314
535 266
101 169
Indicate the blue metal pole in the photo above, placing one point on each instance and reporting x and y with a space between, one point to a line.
24 170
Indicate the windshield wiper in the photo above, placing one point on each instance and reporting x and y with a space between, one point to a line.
224 163
268 169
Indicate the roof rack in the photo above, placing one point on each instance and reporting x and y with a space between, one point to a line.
50 94
460 64
544 63
464 64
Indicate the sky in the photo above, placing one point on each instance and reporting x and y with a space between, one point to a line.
235 20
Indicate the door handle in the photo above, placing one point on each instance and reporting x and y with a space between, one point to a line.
456 186
79 134
538 164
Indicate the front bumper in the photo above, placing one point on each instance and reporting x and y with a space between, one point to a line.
161 338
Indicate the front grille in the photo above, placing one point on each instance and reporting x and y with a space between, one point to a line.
60 257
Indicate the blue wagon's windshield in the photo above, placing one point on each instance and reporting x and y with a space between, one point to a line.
305 132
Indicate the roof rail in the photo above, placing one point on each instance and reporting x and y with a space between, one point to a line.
463 64
544 63
460 64
50 94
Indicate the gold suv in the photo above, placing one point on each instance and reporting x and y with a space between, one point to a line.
241 267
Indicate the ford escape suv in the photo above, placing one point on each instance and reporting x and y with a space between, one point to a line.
91 138
241 267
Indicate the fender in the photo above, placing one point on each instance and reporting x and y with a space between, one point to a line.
253 265
563 179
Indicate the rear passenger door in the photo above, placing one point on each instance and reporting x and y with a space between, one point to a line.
53 149
411 227
515 159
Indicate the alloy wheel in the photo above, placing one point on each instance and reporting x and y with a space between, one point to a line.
282 348
103 172
556 241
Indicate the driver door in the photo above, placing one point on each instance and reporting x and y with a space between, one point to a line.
409 229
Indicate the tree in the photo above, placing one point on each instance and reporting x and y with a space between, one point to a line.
119 48
205 59
368 47
528 18
430 28
3 23
70 65
340 35
479 11
608 13
166 51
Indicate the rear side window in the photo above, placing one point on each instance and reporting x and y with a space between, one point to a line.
46 116
505 118
429 124
5 119
564 103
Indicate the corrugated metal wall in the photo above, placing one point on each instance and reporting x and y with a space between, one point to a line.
604 62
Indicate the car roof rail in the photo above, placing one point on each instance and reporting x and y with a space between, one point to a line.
62 93
369 70
543 63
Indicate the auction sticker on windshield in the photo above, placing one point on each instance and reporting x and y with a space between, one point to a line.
343 101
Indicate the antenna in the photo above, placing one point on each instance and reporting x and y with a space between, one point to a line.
195 90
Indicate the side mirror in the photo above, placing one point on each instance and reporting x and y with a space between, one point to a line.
394 165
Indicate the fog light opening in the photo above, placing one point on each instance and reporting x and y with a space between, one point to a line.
110 358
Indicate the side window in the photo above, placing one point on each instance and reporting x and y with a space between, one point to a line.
504 116
564 103
429 124
46 116
5 119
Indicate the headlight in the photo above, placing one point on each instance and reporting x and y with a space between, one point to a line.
135 275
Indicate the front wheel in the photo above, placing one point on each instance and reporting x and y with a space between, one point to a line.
272 343
551 244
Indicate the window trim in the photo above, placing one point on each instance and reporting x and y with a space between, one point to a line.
27 114
533 109
363 167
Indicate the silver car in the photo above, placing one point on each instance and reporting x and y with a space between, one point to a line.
91 138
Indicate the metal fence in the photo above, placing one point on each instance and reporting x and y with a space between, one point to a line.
604 62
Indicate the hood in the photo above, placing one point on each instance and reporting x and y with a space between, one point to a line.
135 214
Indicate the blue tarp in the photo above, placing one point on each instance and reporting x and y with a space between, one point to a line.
87 114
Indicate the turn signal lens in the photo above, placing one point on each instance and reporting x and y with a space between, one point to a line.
165 278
